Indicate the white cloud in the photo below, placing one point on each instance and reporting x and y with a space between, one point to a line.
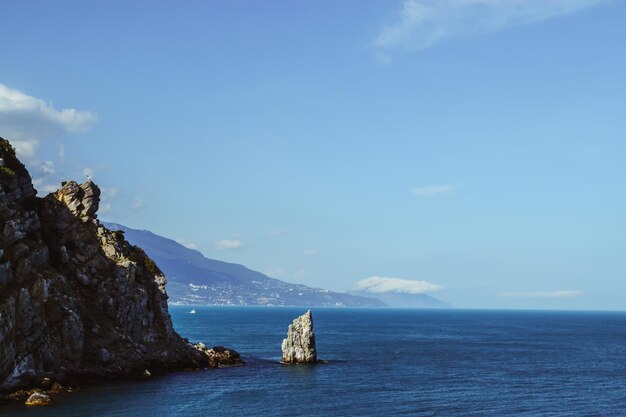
137 203
24 117
226 244
424 23
41 185
299 274
310 252
433 190
379 285
545 294
47 167
25 149
45 188
49 188
62 153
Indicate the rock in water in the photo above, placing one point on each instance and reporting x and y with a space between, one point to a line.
299 346
38 399
219 356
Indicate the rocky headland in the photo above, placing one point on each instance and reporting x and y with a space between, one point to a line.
77 301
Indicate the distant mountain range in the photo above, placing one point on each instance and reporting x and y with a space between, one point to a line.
195 279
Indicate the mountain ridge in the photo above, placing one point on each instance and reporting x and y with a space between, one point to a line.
195 279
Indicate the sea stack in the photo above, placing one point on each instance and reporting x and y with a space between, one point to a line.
299 346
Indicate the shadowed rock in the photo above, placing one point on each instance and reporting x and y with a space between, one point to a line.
299 346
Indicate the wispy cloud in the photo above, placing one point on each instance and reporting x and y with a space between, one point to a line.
62 153
228 244
137 203
423 23
433 190
310 252
26 120
544 294
25 149
379 285
47 167
41 185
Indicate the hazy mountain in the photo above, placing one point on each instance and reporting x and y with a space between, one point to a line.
402 300
195 279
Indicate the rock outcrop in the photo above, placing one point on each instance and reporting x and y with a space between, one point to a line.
77 301
220 356
299 346
38 399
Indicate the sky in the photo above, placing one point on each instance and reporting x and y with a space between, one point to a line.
474 150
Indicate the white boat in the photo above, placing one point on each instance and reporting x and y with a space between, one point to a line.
193 311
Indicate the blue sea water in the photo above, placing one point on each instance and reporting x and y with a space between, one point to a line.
384 363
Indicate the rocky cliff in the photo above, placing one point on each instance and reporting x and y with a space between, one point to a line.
76 300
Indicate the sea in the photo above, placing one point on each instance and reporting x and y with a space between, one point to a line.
383 362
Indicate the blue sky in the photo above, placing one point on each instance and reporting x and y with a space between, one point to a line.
475 145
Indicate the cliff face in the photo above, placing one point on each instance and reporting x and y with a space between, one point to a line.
76 300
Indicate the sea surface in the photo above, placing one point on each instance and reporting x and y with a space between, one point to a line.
384 363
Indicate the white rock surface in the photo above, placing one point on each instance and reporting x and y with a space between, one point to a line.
299 346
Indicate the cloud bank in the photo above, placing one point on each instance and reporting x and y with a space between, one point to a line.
423 23
545 294
381 285
27 118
